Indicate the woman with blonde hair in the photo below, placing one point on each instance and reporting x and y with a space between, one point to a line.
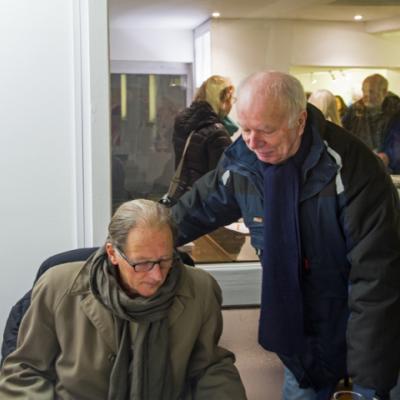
204 117
325 101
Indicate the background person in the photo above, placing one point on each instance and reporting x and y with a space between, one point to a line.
390 150
212 103
365 118
132 322
341 106
325 101
324 217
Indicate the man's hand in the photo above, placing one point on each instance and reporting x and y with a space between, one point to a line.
384 157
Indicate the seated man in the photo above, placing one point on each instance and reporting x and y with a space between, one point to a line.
130 323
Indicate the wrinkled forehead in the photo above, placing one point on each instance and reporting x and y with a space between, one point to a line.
261 116
257 94
255 104
149 236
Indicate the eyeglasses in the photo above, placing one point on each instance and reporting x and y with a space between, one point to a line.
146 266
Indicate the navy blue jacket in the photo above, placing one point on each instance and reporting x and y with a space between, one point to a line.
391 144
350 231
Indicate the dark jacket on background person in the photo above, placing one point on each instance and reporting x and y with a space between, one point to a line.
391 143
350 233
367 124
207 144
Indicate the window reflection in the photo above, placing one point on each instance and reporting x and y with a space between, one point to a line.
142 152
143 110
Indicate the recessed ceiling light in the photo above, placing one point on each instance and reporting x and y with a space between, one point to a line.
358 17
215 14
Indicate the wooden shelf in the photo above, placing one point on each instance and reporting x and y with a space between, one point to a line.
223 245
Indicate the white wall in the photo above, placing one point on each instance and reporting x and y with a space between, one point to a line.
241 47
341 44
47 124
167 45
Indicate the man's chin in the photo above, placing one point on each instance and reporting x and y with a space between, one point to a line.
267 158
148 290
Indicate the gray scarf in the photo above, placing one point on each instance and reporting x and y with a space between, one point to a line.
145 372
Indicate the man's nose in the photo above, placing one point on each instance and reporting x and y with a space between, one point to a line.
253 140
156 273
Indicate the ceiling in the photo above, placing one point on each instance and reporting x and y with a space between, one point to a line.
187 14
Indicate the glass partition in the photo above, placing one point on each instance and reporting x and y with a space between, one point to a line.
143 109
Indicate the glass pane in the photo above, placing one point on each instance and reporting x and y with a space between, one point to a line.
143 110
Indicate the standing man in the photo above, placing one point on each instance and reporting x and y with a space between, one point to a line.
365 118
324 218
130 323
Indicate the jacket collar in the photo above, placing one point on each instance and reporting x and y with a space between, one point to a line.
103 320
318 168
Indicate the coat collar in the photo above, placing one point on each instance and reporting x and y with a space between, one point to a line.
102 318
319 168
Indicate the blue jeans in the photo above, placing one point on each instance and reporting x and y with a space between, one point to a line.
292 391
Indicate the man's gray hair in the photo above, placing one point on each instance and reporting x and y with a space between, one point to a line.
134 213
278 87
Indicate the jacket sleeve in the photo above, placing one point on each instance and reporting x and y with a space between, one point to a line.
372 224
210 203
211 370
28 372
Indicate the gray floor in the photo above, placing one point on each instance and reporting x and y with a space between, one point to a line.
261 371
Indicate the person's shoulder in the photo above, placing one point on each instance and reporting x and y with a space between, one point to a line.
59 278
345 143
196 274
238 150
217 134
54 286
200 280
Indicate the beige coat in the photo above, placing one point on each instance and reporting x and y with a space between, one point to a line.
67 345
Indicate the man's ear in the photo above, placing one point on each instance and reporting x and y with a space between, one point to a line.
302 121
111 253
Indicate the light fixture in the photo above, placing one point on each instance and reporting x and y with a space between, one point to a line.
358 17
313 80
152 93
216 14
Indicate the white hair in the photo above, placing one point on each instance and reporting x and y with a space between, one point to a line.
326 101
275 88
